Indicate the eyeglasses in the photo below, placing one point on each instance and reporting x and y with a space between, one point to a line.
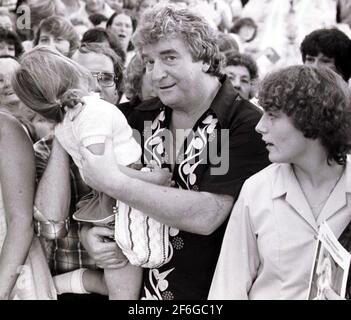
105 79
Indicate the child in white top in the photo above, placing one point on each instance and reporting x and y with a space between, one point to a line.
58 88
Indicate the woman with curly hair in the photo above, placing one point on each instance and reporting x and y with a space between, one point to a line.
269 245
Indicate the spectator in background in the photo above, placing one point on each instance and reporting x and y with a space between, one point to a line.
39 10
10 43
343 12
58 33
227 43
236 7
72 7
142 5
217 13
246 30
123 24
137 82
99 35
242 72
115 4
8 4
106 68
137 85
42 9
9 101
94 6
330 48
98 20
81 25
6 21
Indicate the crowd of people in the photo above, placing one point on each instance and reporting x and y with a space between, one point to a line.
171 149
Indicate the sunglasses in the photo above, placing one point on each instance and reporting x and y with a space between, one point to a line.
105 79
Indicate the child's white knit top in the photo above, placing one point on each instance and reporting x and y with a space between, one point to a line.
91 124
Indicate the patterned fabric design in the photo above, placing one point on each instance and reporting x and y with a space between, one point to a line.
143 240
345 240
185 175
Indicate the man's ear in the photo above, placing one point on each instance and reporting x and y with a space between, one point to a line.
205 66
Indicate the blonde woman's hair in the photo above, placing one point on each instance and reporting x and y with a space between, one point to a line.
47 81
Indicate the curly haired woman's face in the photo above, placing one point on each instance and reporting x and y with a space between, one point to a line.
284 142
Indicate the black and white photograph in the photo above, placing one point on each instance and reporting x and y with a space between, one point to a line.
178 150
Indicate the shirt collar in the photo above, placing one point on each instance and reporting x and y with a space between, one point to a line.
286 176
222 104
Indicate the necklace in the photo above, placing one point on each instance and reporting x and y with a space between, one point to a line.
317 208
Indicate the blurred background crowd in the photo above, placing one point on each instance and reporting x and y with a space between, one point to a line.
255 36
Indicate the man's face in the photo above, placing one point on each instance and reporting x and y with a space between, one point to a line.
176 78
240 78
95 63
321 60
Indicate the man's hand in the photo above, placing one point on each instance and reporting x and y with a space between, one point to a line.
101 172
107 254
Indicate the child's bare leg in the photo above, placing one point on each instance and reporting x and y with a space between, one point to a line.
124 283
93 281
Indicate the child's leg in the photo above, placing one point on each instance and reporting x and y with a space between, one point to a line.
124 283
94 282
81 281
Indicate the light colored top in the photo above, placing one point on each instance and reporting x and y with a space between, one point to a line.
92 124
270 240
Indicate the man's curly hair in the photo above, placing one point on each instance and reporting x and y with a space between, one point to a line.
167 21
318 103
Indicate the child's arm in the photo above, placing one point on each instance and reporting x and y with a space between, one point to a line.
17 177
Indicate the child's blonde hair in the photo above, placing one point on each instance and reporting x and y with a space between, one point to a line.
47 81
